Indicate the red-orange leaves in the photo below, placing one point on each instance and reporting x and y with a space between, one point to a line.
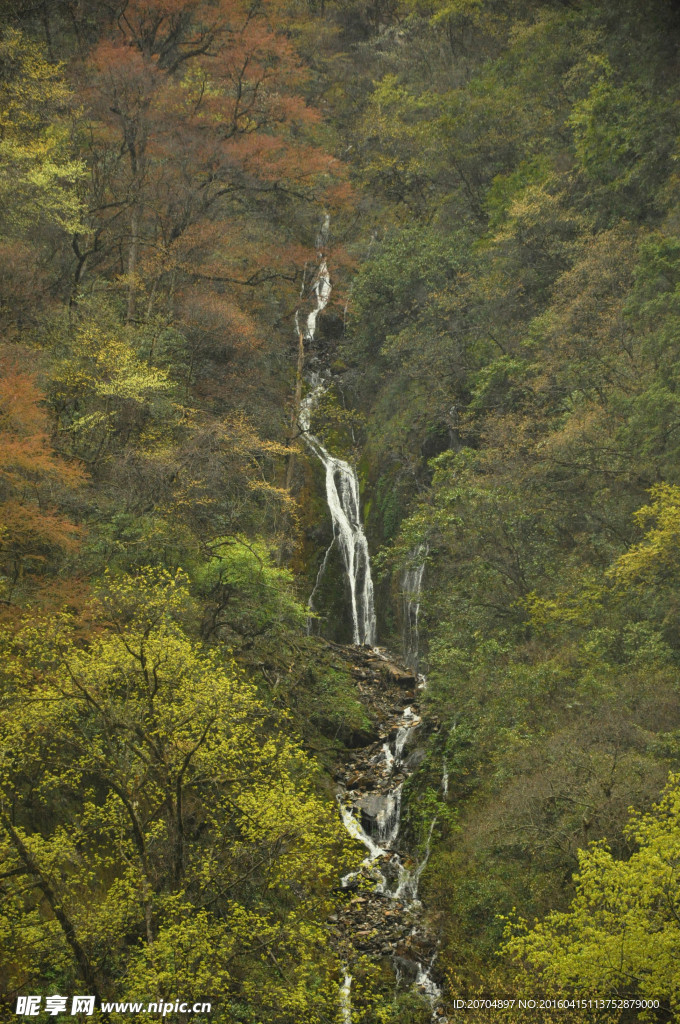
32 477
198 119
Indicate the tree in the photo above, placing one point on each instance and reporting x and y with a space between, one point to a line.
621 934
654 561
41 178
196 115
39 171
32 479
142 770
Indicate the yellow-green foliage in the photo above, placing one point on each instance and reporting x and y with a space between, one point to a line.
104 364
38 170
571 607
621 934
657 558
149 798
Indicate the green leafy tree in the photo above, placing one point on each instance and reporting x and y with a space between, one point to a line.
39 171
161 833
621 934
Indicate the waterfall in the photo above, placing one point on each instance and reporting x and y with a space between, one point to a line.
409 880
429 988
445 763
346 999
319 576
373 818
342 483
357 832
389 819
409 721
411 586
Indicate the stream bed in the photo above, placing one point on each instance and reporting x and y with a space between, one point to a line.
383 916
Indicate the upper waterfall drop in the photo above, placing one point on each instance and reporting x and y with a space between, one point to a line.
342 483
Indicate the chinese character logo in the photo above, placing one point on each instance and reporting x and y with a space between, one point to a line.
29 1006
55 1005
83 1004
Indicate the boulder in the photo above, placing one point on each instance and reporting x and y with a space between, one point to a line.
353 737
401 677
408 968
415 758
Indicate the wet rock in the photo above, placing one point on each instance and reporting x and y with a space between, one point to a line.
420 945
373 922
415 758
409 968
373 804
352 737
400 676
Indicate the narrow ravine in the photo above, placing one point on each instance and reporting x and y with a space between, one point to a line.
382 917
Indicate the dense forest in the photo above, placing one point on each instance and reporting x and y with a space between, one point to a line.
463 218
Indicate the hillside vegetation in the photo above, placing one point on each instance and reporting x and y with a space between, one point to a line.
502 178
514 347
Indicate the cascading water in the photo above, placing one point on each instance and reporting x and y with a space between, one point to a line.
409 721
346 999
411 587
342 484
372 817
319 576
383 832
409 880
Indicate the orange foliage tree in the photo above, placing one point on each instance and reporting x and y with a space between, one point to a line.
32 479
201 141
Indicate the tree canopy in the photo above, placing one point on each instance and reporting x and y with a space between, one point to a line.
502 344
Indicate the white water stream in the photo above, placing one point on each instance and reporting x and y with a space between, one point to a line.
374 817
411 587
342 484
380 835
346 999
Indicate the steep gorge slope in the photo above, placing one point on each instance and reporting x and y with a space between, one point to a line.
486 402
510 359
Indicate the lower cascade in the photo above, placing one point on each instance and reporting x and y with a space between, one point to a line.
383 916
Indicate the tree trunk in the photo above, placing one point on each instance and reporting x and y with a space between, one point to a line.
132 264
296 409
